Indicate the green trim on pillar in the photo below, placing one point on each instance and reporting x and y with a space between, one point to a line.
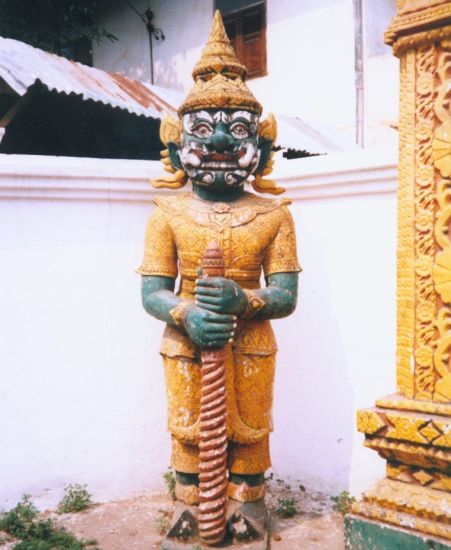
364 534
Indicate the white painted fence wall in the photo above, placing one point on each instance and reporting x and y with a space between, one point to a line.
82 396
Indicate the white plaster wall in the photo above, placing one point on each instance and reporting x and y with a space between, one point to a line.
82 393
310 54
382 100
337 352
82 397
381 75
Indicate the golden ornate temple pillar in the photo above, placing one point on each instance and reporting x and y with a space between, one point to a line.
411 507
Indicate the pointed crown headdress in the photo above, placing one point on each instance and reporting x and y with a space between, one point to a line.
219 78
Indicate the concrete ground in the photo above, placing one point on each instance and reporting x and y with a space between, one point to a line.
139 523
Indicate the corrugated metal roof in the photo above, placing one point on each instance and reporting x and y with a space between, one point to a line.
21 66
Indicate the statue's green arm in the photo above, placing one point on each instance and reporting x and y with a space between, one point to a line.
158 298
280 296
277 300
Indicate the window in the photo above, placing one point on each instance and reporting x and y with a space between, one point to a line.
245 23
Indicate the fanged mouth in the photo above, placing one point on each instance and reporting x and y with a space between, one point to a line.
218 161
198 157
219 157
219 165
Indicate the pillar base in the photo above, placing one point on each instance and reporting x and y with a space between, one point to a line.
365 534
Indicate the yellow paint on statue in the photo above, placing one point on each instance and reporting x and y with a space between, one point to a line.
253 232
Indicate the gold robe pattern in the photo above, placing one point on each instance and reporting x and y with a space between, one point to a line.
254 233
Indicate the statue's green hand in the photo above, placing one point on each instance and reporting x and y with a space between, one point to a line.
220 295
207 329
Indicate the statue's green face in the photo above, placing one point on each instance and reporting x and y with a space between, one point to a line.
220 148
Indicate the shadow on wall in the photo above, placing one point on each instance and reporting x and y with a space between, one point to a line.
168 75
138 71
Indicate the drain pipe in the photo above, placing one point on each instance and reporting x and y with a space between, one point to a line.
358 67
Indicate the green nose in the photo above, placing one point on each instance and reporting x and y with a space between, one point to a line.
220 142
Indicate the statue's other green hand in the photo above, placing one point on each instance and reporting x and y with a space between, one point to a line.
220 295
207 329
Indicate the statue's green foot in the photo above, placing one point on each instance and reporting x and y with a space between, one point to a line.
247 527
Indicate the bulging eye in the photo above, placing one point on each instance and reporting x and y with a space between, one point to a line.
239 130
202 130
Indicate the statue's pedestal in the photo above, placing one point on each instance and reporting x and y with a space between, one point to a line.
365 534
413 436
247 528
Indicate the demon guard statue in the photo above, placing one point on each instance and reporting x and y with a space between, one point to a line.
218 347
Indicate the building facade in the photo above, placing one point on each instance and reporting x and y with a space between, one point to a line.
324 61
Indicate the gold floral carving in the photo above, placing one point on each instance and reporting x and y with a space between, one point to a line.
402 519
267 129
399 402
418 23
406 212
177 179
425 297
442 268
406 43
410 453
414 17
421 501
406 426
414 6
170 129
369 422
408 505
441 149
435 479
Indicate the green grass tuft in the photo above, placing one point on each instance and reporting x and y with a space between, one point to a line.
76 498
343 502
22 523
287 507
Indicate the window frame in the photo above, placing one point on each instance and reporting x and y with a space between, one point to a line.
236 17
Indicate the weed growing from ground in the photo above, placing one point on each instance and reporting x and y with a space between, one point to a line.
343 502
76 498
169 479
32 533
162 522
286 507
18 521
